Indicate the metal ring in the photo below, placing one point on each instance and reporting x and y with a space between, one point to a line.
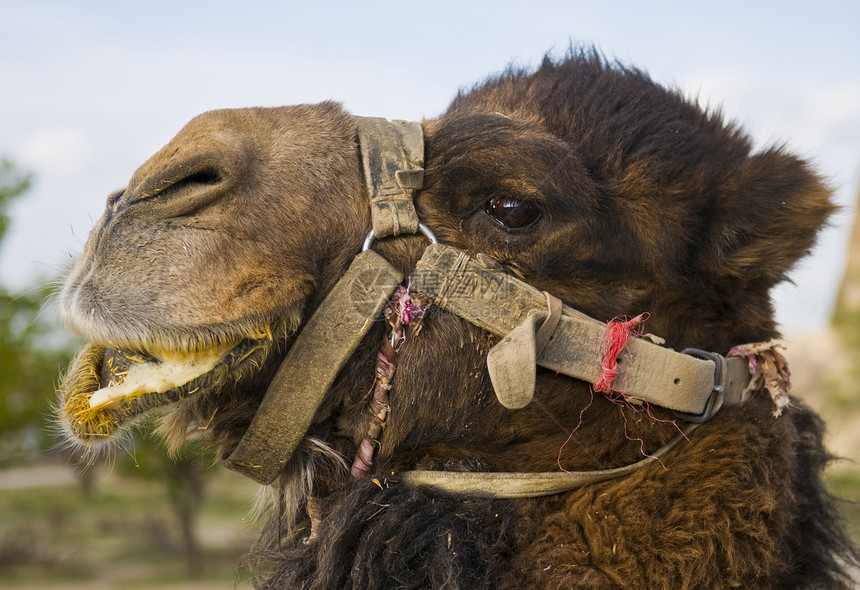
421 227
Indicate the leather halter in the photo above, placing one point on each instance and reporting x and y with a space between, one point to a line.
695 384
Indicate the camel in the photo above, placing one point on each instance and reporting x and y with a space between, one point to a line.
552 363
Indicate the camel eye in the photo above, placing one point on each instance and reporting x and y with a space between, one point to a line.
511 213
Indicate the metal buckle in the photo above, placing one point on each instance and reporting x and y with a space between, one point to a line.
715 399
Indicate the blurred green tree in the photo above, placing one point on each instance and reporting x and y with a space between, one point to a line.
31 355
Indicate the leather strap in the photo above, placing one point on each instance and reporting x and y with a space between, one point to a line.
322 347
479 292
392 156
528 485
512 362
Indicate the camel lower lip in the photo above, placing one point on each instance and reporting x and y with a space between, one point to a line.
101 394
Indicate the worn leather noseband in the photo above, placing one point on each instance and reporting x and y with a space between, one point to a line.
695 384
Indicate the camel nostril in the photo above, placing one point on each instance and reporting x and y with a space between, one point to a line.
183 189
207 176
203 178
190 193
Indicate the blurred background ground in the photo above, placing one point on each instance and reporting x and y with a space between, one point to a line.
120 533
824 373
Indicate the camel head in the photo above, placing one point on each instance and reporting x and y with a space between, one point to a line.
585 180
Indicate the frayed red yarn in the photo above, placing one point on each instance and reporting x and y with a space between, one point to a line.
641 411
613 343
572 432
640 440
407 308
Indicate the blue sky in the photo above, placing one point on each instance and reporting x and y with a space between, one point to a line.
90 88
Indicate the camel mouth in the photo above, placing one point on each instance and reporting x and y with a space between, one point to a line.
106 389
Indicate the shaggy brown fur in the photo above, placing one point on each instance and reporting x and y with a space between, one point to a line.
242 224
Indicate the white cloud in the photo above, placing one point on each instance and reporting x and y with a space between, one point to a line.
62 151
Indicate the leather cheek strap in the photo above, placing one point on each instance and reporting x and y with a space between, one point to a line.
320 350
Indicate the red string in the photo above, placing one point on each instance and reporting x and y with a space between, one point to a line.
570 436
640 440
614 341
